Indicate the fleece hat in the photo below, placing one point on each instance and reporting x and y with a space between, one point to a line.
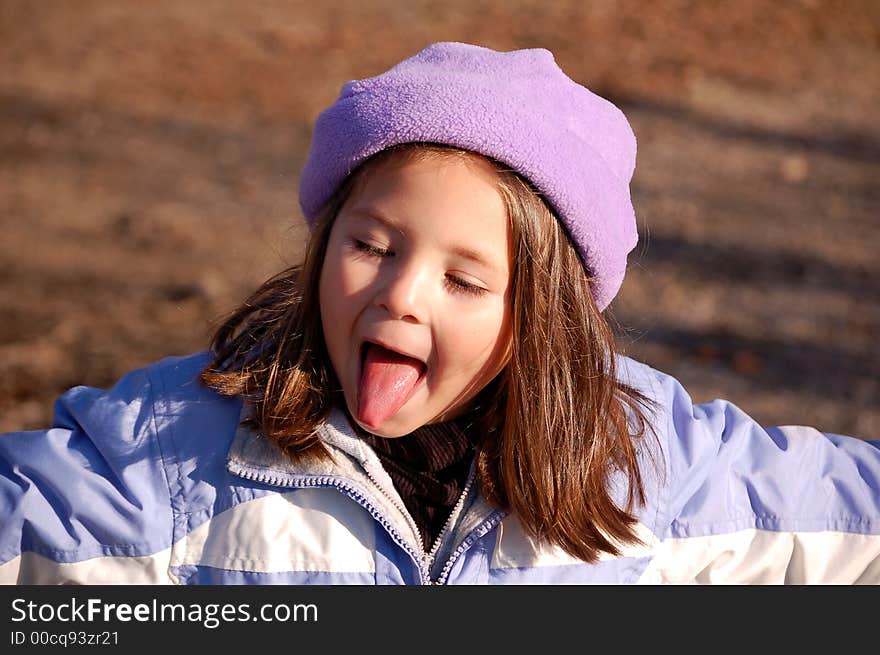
517 107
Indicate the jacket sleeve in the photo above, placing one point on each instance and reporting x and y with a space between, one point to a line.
750 504
87 500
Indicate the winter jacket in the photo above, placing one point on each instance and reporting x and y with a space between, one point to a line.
155 481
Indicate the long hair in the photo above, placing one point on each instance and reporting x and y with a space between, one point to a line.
551 428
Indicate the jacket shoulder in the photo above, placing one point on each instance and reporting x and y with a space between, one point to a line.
745 502
90 499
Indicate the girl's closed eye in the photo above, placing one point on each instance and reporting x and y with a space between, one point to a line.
457 285
371 250
453 282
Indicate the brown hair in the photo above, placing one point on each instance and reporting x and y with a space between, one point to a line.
550 429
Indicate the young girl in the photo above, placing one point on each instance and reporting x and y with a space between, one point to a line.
434 395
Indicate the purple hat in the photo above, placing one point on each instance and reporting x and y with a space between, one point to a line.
517 107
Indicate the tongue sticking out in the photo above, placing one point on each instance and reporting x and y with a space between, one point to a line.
387 381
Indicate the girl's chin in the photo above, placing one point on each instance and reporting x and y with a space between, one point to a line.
395 426
405 421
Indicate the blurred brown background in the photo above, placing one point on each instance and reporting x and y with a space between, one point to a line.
149 155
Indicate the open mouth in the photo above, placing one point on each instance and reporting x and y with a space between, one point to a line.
389 354
387 381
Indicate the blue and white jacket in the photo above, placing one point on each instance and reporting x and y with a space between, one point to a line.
154 481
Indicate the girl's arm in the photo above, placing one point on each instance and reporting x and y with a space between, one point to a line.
749 504
87 500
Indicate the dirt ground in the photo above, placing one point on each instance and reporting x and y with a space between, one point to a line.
149 155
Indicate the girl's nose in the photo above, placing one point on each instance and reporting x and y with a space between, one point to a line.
403 294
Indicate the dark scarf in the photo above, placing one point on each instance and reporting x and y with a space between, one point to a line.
429 468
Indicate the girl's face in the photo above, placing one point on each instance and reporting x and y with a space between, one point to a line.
418 262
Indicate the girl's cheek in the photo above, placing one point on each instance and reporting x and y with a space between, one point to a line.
472 336
356 277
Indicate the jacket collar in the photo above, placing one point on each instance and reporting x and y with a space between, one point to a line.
251 451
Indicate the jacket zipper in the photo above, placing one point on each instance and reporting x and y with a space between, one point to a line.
427 559
447 526
400 508
490 522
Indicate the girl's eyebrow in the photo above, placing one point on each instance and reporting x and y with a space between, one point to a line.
477 257
377 218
